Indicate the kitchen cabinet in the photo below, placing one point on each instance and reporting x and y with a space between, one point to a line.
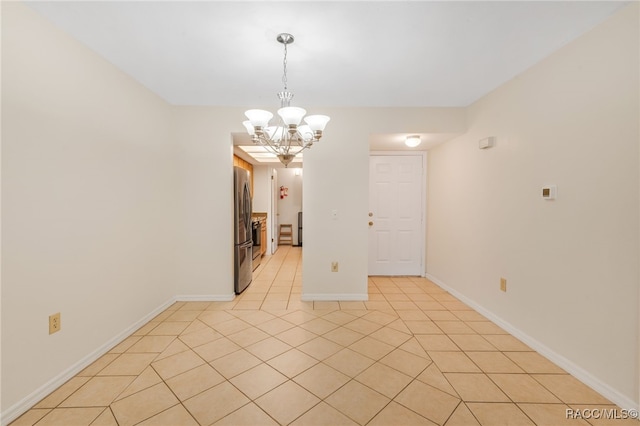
263 237
262 219
239 162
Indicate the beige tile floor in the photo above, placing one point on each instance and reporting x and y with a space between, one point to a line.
411 355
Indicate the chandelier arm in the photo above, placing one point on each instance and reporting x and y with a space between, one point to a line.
299 142
287 145
264 142
278 146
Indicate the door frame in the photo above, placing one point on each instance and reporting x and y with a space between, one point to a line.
423 195
273 174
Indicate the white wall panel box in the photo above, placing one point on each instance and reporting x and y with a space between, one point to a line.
487 142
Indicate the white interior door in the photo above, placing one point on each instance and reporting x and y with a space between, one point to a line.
396 230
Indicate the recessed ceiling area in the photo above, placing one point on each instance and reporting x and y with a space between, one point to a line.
396 141
255 154
261 155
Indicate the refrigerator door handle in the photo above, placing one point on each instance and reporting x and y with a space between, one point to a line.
248 209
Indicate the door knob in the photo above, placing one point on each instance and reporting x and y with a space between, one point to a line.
370 223
370 214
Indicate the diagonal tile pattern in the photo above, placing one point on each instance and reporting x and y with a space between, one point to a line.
410 355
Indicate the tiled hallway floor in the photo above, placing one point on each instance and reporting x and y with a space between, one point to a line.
411 355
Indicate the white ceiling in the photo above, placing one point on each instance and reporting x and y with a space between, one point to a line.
345 54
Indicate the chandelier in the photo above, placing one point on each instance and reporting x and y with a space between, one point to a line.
288 138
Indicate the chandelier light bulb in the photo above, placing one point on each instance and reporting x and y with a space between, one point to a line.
247 125
317 122
258 118
306 132
291 115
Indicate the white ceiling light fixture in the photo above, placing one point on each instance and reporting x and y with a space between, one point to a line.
288 138
412 141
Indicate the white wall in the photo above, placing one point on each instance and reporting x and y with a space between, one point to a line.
571 264
204 253
261 188
89 184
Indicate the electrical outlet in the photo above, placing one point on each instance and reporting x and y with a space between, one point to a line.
54 323
503 284
334 266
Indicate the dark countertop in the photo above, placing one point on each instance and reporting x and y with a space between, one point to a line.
258 217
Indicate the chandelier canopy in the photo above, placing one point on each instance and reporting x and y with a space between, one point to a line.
288 138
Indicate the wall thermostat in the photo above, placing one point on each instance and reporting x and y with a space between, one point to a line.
549 192
487 142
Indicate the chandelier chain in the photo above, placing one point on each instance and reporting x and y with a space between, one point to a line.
284 66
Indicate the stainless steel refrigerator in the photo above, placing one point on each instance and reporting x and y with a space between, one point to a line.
243 243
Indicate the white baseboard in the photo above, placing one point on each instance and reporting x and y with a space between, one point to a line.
36 396
578 372
307 297
206 298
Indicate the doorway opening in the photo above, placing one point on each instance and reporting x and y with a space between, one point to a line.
276 192
289 205
398 203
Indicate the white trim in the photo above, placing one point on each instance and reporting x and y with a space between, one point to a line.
398 153
578 372
306 297
425 216
36 396
206 298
